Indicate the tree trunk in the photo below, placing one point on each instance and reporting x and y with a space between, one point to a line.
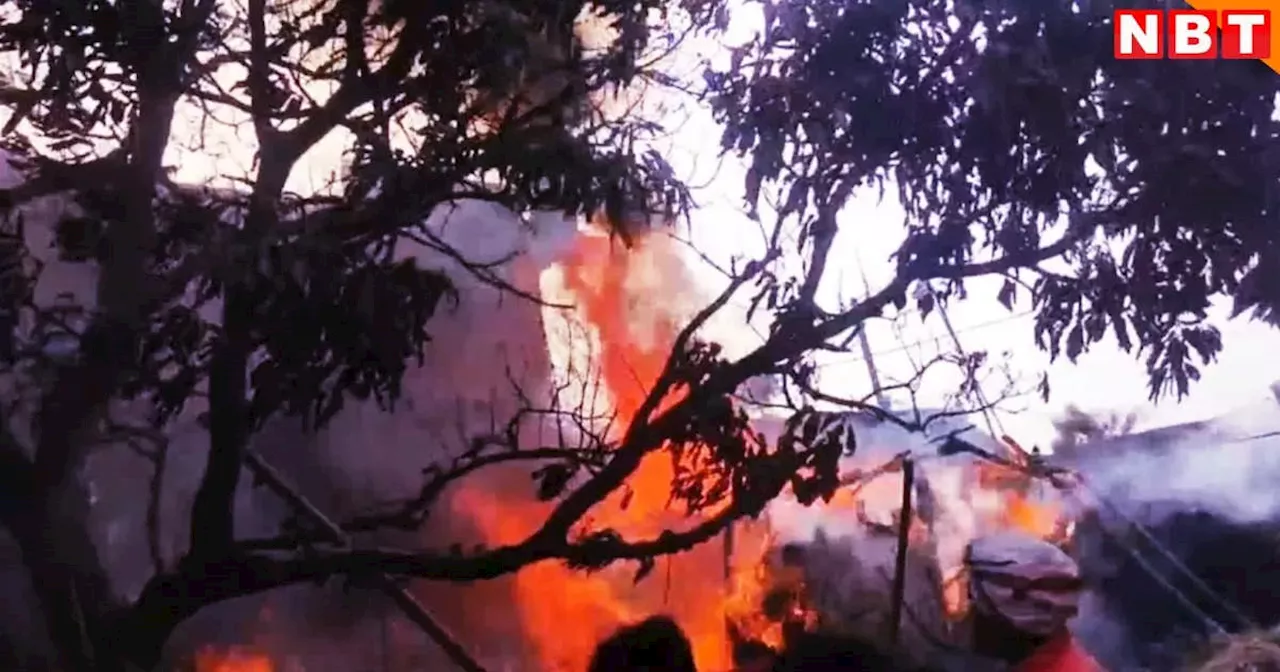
53 537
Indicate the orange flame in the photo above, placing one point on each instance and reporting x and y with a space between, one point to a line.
565 613
234 659
764 596
1038 517
1018 510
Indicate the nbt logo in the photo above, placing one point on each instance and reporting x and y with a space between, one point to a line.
1232 33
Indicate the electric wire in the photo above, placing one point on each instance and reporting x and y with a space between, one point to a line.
1221 602
1194 579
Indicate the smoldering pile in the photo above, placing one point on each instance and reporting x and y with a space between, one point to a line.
1181 559
827 579
1155 610
830 600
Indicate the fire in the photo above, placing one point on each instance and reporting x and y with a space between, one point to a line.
1032 517
624 297
565 613
765 594
234 659
1017 508
1020 510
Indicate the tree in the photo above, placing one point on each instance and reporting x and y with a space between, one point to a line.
983 131
1077 428
482 100
1011 137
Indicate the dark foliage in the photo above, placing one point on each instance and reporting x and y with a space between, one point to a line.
491 100
985 140
1011 136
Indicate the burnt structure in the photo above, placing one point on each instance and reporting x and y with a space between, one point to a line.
1172 558
1222 574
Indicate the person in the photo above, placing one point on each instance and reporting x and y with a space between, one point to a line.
656 644
1024 591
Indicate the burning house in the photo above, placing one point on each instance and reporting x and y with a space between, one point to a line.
490 355
839 561
598 337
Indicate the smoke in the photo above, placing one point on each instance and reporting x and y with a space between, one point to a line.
852 542
847 579
487 358
492 341
1205 492
946 494
1228 466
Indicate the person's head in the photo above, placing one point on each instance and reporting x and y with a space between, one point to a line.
754 656
1023 591
656 644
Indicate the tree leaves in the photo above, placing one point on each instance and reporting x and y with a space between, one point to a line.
1007 129
332 325
1169 360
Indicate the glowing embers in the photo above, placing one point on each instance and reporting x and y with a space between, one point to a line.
233 659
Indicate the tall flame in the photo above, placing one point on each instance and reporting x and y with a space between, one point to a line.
623 296
565 613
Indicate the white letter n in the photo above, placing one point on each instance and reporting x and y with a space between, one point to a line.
1146 34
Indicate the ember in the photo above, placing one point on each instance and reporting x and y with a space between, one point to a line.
234 659
765 596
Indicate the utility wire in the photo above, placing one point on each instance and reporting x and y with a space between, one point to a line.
993 422
988 414
1178 566
1159 578
1195 580
858 358
1176 563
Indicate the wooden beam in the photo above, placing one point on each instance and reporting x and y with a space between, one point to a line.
400 596
900 561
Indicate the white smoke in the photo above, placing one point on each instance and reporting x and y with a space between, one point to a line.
1228 465
960 512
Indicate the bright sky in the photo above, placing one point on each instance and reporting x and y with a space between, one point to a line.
1105 379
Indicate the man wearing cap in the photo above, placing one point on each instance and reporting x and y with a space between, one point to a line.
1023 592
